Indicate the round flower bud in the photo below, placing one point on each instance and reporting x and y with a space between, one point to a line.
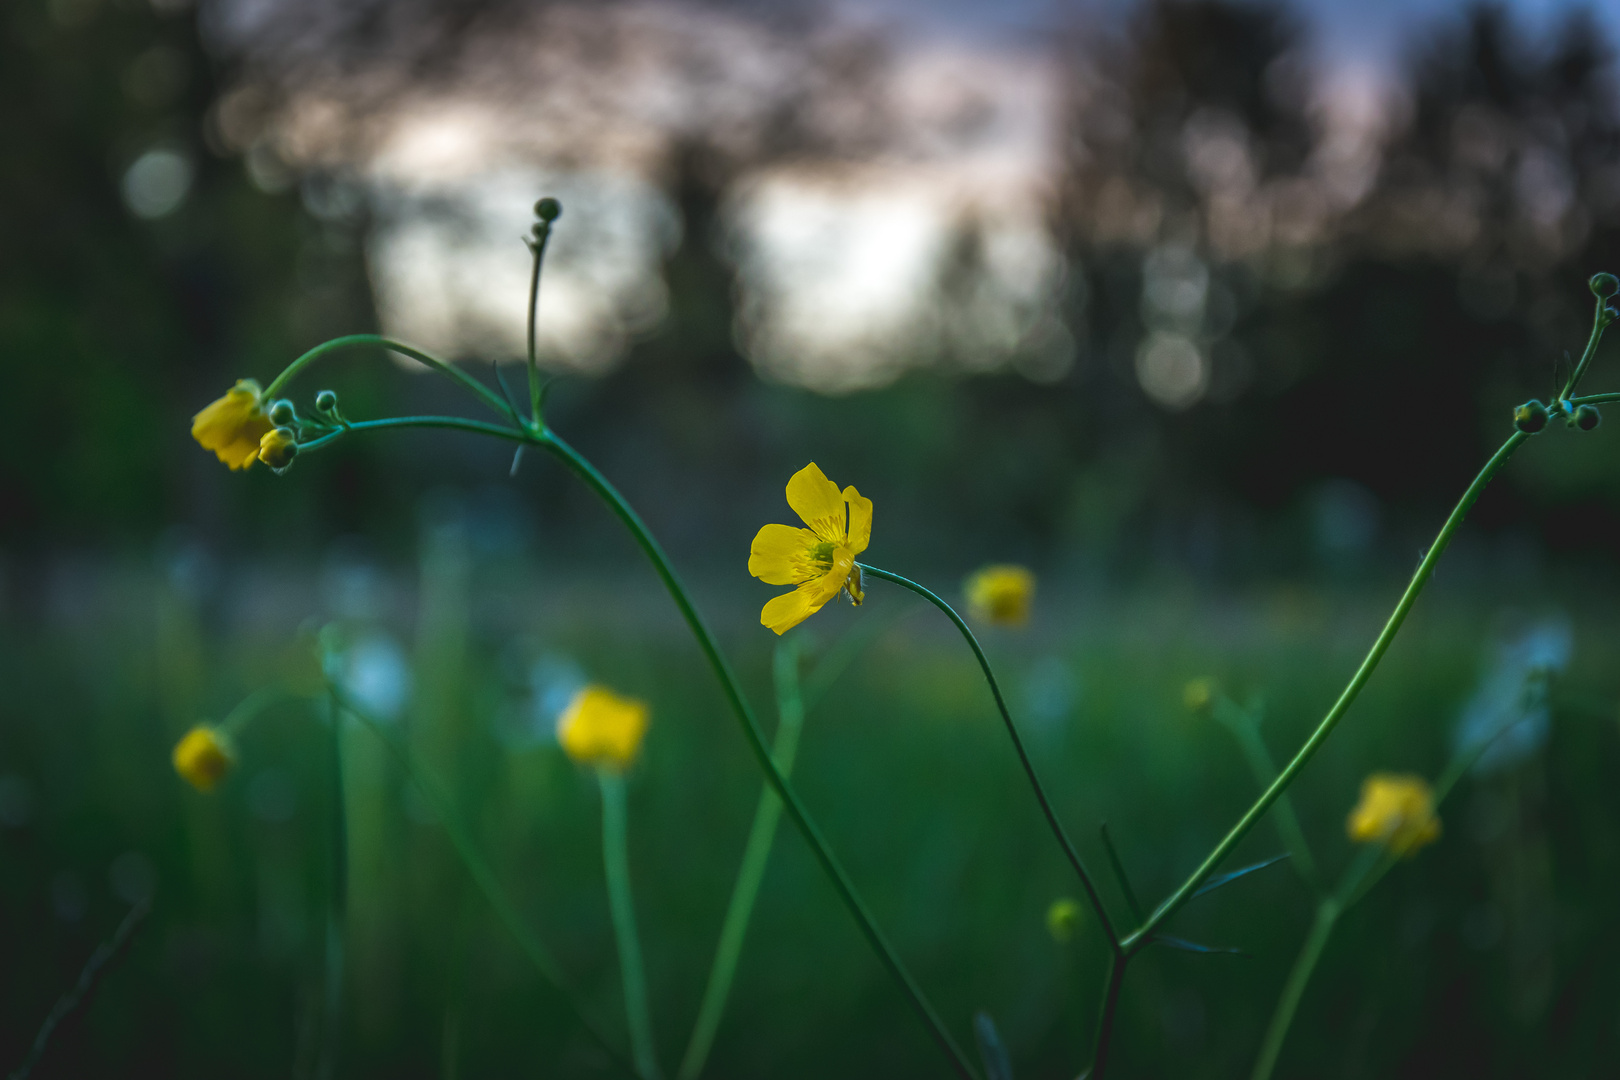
203 757
282 413
549 210
278 447
1198 696
1587 417
1063 919
326 400
1604 286
1530 417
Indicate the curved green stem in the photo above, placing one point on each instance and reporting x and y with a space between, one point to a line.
790 704
756 742
478 426
478 389
484 876
1018 745
538 247
1105 1019
1599 323
1594 399
621 904
1139 938
337 896
1241 723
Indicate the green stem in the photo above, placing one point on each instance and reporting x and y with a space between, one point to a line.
477 426
337 897
1240 722
1018 745
478 389
1327 914
248 709
538 247
621 903
484 877
1138 938
1594 399
1105 1019
790 709
756 743
1599 323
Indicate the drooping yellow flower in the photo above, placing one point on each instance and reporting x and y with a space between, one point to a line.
1063 919
819 560
1001 594
1396 810
203 757
233 425
277 447
601 728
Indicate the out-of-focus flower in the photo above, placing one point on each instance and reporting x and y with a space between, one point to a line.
203 757
601 728
1198 695
1063 918
1000 594
1396 810
277 447
819 560
233 425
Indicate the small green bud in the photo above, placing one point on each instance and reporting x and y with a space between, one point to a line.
1530 417
549 210
282 413
1587 417
326 400
1604 286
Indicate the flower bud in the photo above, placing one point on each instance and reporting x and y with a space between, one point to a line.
282 413
1587 417
549 210
203 757
278 447
1063 919
326 400
1530 417
1604 286
1198 696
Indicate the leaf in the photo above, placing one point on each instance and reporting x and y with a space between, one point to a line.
1226 879
991 1051
1119 874
1192 946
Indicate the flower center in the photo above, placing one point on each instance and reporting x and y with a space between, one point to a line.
822 555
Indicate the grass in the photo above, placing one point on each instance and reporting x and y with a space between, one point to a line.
1489 955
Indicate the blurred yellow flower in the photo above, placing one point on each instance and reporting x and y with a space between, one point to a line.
1000 594
1063 919
1396 810
233 425
1198 695
601 728
277 447
203 757
819 560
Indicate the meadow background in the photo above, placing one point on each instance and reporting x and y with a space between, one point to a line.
1199 313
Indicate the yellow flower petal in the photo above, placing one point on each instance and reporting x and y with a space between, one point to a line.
816 500
778 555
783 613
232 426
1395 810
860 520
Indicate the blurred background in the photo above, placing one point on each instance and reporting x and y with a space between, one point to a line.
1206 311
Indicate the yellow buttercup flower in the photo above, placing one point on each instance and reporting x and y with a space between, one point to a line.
601 728
1396 810
819 560
1001 594
278 447
1063 919
233 425
203 757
